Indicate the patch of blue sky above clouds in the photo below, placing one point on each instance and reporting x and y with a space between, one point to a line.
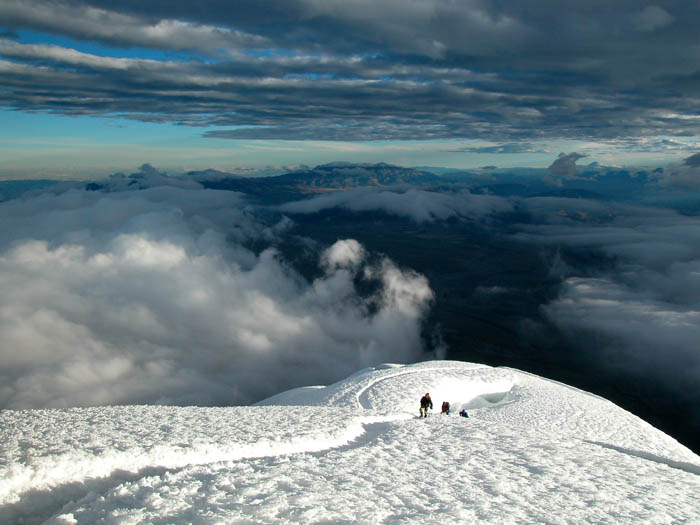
91 86
37 145
96 48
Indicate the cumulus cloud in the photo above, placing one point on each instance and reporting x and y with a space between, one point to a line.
151 297
417 205
565 165
343 254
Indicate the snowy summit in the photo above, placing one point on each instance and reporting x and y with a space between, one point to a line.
531 450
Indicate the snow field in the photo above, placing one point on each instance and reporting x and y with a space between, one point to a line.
412 471
532 450
47 449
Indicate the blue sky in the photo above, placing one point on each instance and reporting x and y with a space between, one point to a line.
90 88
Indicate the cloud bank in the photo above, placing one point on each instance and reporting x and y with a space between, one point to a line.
152 297
414 204
633 329
638 313
306 69
683 177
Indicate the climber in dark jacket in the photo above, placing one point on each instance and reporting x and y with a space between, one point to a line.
425 403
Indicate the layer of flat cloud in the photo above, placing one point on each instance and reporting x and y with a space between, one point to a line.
511 147
417 205
151 297
647 236
376 70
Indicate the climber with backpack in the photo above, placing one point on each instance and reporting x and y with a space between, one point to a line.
425 403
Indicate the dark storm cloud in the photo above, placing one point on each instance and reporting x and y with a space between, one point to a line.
83 22
366 70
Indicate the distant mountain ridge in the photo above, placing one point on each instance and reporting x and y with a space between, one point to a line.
320 179
344 175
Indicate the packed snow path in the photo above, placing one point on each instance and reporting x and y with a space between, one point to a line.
531 451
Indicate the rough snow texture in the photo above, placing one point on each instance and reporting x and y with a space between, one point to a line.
532 450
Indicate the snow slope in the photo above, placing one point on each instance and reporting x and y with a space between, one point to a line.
532 450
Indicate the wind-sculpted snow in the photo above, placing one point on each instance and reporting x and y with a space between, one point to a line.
532 450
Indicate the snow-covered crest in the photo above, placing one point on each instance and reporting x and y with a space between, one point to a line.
531 451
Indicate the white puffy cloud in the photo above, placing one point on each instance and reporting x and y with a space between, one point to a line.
346 253
404 292
150 297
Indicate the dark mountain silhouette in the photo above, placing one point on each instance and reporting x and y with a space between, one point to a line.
321 179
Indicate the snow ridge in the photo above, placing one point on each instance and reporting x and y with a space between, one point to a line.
532 450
